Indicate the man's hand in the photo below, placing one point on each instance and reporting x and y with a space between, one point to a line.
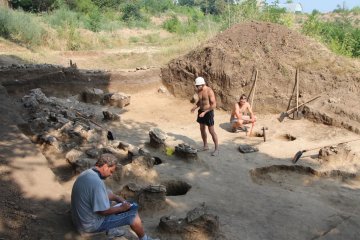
202 114
125 206
193 109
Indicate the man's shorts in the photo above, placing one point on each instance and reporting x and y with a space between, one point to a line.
208 119
246 118
120 219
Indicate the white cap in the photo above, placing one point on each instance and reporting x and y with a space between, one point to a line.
199 81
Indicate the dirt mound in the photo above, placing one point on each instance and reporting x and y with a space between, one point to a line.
229 60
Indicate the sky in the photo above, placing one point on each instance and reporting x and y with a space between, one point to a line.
323 5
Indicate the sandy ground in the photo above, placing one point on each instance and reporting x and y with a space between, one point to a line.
282 205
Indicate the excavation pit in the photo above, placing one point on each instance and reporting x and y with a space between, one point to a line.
157 161
176 187
297 175
287 137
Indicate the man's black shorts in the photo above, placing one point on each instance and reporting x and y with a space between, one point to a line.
208 119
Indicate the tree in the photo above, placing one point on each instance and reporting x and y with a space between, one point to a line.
33 5
215 7
186 2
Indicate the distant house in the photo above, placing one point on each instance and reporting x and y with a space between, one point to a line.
292 7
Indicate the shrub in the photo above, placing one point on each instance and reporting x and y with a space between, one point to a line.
215 7
131 12
157 6
94 21
107 3
172 25
339 35
84 6
272 13
20 27
63 17
248 9
186 2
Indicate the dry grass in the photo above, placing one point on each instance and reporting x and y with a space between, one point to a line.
123 49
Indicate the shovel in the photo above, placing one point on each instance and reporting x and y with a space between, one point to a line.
287 113
299 153
297 115
109 135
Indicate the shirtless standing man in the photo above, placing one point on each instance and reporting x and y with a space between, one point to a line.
238 119
207 103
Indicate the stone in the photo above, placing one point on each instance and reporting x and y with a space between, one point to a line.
332 100
152 197
162 90
109 116
144 152
39 95
30 102
327 151
197 225
196 213
185 151
117 99
83 164
124 146
245 148
157 137
73 155
92 95
39 124
145 161
94 153
49 140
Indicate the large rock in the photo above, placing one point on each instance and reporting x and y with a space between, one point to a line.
109 116
92 95
185 151
117 99
157 137
73 155
152 198
83 164
197 225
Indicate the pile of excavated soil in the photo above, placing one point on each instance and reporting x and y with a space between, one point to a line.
228 63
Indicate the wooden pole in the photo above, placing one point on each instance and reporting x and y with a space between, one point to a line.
253 95
297 90
252 88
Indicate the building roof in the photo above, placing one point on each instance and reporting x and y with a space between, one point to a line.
292 7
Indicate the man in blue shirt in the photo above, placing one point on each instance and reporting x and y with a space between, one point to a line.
90 202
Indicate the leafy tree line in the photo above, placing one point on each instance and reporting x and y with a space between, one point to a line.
26 23
339 35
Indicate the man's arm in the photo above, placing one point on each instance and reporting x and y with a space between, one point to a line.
236 111
116 198
114 210
197 104
251 113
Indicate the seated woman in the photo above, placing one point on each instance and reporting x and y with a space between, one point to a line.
238 115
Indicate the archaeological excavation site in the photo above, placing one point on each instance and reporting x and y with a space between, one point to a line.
295 175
